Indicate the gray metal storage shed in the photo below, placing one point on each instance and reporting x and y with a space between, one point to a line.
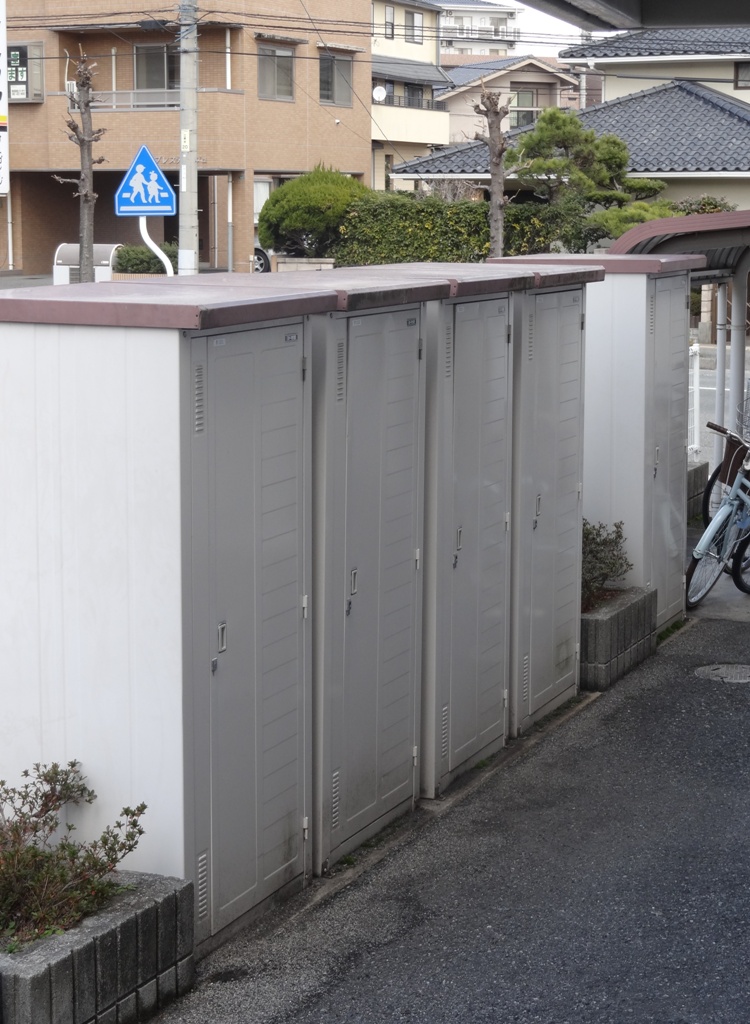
546 487
156 561
636 408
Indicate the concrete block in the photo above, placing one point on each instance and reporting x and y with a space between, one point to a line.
147 943
185 975
166 932
106 970
84 983
108 1016
185 897
127 957
166 985
61 990
147 1000
7 996
33 1004
127 1009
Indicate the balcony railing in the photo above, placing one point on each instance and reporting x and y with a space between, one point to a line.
135 99
415 104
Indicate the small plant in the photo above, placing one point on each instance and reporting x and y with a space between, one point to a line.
139 259
48 881
604 561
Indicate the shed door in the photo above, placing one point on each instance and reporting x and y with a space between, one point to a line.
668 334
478 641
255 514
554 514
377 705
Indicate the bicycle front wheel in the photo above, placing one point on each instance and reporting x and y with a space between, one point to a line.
741 565
702 574
718 544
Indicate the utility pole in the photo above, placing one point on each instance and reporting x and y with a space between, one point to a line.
187 257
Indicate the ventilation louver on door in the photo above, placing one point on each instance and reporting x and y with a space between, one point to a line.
340 371
449 352
202 885
199 400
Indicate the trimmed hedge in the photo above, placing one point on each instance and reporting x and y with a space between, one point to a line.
139 259
406 227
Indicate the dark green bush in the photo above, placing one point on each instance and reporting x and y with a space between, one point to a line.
48 881
604 561
402 227
302 217
139 259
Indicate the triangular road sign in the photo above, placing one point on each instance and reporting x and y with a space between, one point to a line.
144 191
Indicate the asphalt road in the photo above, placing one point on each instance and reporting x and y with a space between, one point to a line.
600 876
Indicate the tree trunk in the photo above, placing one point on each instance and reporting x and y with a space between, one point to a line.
86 189
494 112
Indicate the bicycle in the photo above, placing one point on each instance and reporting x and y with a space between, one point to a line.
727 535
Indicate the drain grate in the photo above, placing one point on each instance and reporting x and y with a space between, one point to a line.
725 673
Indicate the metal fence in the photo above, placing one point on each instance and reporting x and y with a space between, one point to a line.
694 403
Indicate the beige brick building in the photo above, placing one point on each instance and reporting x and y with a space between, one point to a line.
278 93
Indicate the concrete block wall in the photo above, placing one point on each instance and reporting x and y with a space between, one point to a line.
117 967
616 637
696 485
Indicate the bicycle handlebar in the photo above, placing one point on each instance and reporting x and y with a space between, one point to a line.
718 428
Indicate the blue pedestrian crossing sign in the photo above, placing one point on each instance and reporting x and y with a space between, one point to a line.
144 191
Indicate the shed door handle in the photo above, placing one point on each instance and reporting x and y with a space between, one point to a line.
222 637
459 533
353 584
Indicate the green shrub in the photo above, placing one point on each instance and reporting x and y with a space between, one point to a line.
302 217
48 881
405 227
139 259
604 561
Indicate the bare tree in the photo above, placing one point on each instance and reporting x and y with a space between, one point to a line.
494 111
84 136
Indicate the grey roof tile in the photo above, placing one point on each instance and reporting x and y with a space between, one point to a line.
665 42
680 126
401 69
467 73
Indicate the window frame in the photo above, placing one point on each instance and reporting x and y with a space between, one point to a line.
742 82
414 27
336 59
170 54
389 24
31 63
271 52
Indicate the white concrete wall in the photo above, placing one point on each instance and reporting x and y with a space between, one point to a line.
90 570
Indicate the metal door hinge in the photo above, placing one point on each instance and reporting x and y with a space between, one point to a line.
417 554
505 698
304 606
583 321
304 367
414 755
580 489
507 521
305 829
419 351
509 333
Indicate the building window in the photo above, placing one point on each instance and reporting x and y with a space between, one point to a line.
742 75
390 21
527 103
336 80
413 95
25 73
413 27
275 73
157 67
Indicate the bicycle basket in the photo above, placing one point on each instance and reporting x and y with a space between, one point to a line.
734 455
743 419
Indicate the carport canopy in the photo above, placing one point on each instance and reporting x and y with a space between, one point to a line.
630 14
724 239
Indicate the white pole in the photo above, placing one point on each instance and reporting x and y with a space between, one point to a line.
721 367
9 214
230 225
228 50
187 259
154 247
737 348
